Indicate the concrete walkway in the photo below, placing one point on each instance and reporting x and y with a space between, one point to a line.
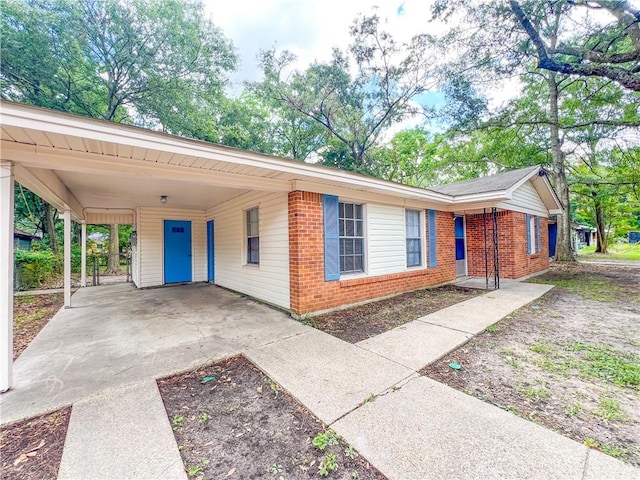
124 433
415 428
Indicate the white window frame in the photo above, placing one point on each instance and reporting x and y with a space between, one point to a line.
248 235
532 235
362 238
420 238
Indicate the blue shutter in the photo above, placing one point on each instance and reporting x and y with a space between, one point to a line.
433 258
538 244
527 218
331 238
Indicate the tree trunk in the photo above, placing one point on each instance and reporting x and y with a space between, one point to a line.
601 229
564 253
50 226
113 267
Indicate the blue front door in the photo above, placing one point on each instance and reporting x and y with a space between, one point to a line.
177 251
461 260
553 236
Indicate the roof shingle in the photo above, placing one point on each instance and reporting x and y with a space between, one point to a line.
490 183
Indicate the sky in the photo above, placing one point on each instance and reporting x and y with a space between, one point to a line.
308 28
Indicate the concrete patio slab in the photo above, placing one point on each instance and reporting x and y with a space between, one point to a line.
124 433
476 314
117 335
415 344
428 430
329 376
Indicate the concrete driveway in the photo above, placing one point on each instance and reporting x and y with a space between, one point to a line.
117 335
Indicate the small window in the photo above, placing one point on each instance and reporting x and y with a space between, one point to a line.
351 233
413 237
253 236
532 235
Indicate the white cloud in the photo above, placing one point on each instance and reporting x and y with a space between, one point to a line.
310 29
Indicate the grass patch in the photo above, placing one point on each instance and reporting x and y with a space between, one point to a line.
574 410
604 362
587 286
590 361
623 251
540 347
611 450
609 410
537 394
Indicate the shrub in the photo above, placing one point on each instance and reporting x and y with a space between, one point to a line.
34 267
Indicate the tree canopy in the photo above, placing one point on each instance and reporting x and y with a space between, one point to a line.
164 65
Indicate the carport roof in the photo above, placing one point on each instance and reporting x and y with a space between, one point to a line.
77 163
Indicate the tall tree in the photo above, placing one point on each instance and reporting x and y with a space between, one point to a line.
498 47
609 51
158 63
360 93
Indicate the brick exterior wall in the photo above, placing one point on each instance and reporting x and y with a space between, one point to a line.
311 293
514 261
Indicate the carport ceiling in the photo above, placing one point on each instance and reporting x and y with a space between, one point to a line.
111 191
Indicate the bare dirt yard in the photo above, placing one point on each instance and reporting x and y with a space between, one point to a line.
569 361
30 314
32 449
364 321
232 421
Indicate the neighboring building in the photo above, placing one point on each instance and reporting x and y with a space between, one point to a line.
583 236
303 237
22 240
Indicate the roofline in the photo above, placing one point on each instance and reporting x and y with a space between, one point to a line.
64 123
20 113
559 210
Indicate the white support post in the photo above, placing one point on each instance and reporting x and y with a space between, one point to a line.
83 256
6 276
66 216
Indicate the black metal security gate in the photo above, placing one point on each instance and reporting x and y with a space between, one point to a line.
100 263
491 249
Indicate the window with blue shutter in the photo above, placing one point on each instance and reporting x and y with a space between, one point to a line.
431 220
331 238
351 235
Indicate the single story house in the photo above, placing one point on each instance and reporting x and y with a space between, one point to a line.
303 237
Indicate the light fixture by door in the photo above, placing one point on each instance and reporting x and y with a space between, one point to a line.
163 199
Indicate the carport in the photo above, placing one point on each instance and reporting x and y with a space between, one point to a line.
99 172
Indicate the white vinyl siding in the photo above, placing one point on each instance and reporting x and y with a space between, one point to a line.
268 281
526 199
151 243
385 231
135 273
103 218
